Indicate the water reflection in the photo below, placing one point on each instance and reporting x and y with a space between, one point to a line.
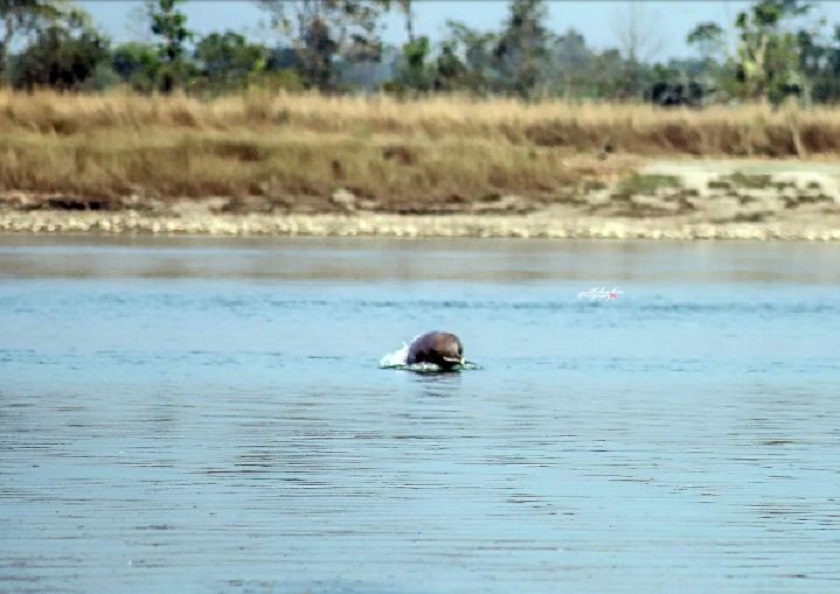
436 384
462 260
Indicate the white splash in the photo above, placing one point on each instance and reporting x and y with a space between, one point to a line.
395 359
398 360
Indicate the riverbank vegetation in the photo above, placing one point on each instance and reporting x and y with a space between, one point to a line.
298 150
332 118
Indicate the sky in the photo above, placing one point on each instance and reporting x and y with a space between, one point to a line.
600 21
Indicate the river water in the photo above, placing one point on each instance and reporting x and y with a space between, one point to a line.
208 415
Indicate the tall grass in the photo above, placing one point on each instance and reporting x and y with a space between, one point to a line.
434 149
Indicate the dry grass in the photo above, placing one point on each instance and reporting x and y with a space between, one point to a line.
303 147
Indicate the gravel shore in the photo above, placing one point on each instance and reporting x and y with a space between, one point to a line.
538 225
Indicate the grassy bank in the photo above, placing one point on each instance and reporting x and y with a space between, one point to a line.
292 153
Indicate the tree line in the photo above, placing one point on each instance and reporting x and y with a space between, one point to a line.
774 50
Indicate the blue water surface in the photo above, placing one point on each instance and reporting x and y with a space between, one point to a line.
209 415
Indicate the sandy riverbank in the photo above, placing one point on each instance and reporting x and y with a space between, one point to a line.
677 200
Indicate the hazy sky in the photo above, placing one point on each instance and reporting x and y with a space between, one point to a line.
599 21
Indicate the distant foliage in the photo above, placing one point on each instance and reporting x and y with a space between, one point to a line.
170 26
64 55
522 49
773 51
227 61
137 65
20 21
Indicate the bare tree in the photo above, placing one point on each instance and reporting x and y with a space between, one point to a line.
639 36
22 18
406 9
320 30
137 23
639 31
